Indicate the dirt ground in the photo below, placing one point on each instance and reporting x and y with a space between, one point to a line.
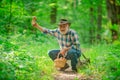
71 76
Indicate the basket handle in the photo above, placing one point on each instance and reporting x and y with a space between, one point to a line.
59 54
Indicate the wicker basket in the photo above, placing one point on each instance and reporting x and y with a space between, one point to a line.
59 62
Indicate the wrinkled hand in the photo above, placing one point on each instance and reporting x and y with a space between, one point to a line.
34 23
63 51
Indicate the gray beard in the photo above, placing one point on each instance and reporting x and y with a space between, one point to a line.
65 32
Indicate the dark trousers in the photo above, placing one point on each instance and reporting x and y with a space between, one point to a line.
72 55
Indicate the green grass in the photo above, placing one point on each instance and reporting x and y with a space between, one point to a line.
105 63
25 57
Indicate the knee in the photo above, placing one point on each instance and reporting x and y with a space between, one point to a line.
53 52
72 55
50 52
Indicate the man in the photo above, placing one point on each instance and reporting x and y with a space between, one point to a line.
68 41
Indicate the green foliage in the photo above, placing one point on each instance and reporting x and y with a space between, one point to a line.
23 57
105 63
30 59
23 49
23 10
114 27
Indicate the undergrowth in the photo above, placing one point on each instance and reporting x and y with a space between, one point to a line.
25 57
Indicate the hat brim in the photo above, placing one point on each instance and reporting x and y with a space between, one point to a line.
64 23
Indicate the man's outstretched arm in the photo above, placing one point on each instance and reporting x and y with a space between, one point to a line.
42 29
36 25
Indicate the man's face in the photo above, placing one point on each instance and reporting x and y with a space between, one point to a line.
63 28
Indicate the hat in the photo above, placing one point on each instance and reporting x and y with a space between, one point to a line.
64 21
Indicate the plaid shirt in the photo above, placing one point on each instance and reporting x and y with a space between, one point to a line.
68 40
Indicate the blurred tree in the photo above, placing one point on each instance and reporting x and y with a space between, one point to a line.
86 16
53 14
113 13
92 21
99 20
8 27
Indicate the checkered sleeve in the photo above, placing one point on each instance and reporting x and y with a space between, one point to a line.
51 32
75 40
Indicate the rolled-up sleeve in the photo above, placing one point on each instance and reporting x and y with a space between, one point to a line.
51 32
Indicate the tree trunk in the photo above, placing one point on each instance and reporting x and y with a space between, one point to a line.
8 28
53 12
113 12
118 14
99 22
91 30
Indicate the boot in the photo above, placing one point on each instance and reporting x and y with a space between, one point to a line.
74 69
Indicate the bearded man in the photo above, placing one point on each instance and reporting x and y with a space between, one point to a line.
67 39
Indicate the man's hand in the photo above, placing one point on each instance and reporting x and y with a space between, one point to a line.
63 51
34 23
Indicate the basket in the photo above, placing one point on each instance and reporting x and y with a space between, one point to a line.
59 62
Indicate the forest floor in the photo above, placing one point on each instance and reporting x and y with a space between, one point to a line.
68 74
71 76
25 57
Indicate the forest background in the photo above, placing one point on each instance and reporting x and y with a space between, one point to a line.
23 48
